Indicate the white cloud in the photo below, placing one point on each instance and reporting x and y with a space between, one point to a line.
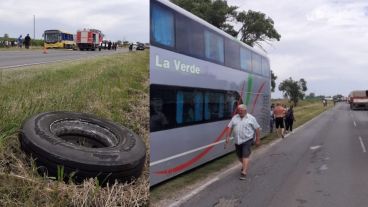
113 17
323 41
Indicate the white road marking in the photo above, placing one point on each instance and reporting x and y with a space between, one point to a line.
362 144
193 193
355 125
315 147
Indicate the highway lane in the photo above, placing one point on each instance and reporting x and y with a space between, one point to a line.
324 163
12 59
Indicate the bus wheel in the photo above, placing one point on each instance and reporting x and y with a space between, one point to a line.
83 146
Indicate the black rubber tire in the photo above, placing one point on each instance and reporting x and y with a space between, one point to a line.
110 152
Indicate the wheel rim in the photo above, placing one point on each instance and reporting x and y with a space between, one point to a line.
83 133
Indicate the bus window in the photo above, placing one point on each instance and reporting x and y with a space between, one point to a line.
179 107
198 105
172 107
214 47
265 67
189 37
232 56
245 59
256 63
162 108
230 104
162 26
189 107
213 106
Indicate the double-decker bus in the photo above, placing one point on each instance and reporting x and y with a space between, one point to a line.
58 39
198 76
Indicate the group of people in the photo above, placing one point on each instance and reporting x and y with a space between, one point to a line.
108 45
19 42
283 119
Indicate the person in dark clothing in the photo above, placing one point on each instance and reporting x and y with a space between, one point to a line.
289 119
272 118
27 41
131 47
109 45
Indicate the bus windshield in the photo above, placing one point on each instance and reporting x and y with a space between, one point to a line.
52 37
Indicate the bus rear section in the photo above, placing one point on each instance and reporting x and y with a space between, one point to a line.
358 99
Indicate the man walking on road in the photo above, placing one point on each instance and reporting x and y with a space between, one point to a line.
243 126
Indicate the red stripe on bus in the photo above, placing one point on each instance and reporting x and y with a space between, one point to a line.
192 161
258 93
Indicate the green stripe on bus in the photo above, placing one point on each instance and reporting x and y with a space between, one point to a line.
249 89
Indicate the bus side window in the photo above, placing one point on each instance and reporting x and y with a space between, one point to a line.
198 106
221 106
189 107
189 37
162 26
214 106
162 108
265 67
214 46
232 54
179 107
245 59
257 63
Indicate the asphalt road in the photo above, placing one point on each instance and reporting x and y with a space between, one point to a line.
13 59
322 164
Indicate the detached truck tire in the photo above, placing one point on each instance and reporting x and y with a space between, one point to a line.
84 145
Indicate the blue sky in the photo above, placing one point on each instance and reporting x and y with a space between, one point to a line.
117 19
322 41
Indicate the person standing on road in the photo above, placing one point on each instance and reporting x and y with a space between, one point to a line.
289 119
243 126
279 113
272 118
27 41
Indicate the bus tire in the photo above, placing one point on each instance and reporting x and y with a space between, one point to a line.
83 145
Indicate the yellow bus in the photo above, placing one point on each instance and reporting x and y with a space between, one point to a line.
58 39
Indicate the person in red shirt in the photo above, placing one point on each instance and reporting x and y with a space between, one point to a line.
279 113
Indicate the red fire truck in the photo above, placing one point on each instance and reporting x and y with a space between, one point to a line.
89 39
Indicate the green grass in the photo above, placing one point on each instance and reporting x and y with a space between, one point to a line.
305 111
112 87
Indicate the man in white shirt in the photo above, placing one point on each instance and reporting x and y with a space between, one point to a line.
243 126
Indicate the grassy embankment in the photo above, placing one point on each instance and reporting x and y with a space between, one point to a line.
305 111
112 87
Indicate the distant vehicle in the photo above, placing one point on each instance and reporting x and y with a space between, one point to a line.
89 39
58 39
198 76
140 46
358 99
